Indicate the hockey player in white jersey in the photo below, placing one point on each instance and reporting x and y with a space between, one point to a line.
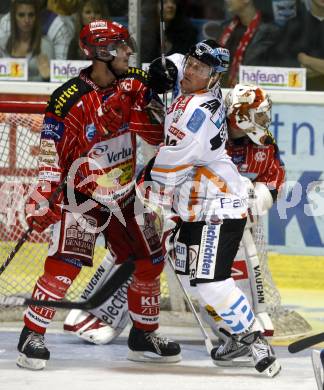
210 197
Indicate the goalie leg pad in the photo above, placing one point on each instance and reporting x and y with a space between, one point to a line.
105 323
91 329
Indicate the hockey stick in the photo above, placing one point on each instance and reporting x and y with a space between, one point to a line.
26 234
307 342
207 340
97 299
162 42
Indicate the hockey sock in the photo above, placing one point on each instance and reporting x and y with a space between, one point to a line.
52 285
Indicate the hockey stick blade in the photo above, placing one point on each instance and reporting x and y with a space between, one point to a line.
98 298
307 342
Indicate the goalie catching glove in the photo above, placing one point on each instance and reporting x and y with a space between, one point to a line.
113 113
41 210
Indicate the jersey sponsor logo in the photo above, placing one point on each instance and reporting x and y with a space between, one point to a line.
49 176
181 257
176 132
64 279
79 235
196 120
111 152
52 129
157 260
217 111
90 131
47 152
260 156
217 141
227 202
179 107
193 257
208 252
239 270
63 99
211 105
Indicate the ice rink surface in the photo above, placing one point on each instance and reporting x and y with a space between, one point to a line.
77 365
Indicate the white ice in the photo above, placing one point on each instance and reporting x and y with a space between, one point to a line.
77 365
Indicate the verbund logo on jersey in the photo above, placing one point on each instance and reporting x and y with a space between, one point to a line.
111 152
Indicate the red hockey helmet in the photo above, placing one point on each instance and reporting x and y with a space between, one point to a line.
101 38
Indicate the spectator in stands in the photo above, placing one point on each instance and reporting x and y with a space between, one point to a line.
26 40
303 43
56 24
246 36
88 11
180 34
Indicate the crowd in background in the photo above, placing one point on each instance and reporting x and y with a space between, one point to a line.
287 33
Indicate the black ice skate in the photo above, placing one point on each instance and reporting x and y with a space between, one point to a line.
230 352
150 347
265 360
33 353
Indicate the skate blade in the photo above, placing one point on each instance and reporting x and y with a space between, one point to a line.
234 363
30 364
150 357
273 369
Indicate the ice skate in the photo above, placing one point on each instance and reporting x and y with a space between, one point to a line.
33 352
230 353
147 346
264 358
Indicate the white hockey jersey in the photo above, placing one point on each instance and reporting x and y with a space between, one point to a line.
194 164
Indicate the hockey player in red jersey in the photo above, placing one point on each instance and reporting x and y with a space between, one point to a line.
89 133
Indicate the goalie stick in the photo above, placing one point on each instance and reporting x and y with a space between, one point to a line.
307 342
98 298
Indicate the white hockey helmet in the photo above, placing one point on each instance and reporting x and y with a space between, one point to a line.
249 110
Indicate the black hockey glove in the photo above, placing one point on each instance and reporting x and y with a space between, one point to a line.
160 79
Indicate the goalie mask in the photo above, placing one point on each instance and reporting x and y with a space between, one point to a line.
249 110
101 39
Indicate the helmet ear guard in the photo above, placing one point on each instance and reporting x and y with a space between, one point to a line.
249 110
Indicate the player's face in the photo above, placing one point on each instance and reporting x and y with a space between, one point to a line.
196 75
121 61
25 18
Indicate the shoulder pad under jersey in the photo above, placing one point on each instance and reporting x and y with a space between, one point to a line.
64 97
136 73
